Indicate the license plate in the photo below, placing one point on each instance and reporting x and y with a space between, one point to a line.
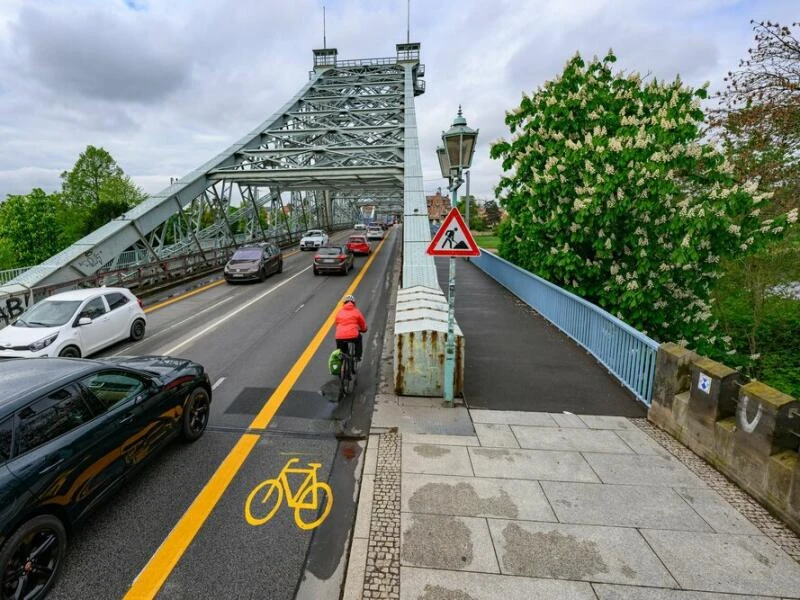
238 275
329 260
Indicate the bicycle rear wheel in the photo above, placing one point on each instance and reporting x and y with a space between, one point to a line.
323 492
345 377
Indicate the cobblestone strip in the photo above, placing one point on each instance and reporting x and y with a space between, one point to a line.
737 497
382 575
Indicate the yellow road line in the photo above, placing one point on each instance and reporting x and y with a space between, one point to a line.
158 568
152 577
279 395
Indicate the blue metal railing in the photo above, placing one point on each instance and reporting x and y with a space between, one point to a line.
628 354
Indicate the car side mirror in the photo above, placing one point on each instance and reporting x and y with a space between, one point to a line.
84 321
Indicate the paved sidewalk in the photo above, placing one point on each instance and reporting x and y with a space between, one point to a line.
459 504
539 505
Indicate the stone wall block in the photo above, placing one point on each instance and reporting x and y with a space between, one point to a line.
673 366
764 427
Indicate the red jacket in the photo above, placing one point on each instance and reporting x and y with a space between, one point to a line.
349 322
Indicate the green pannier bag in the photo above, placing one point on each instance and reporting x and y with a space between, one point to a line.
335 362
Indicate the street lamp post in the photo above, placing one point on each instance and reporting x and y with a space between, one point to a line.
454 157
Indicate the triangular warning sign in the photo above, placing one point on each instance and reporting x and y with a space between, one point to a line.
453 238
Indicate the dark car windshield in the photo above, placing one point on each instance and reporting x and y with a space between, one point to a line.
246 255
329 250
48 313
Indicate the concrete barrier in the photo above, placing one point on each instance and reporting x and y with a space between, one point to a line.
420 333
749 431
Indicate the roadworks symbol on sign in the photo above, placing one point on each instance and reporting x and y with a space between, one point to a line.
453 238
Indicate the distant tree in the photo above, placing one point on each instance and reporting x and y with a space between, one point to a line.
31 227
491 213
96 191
476 222
612 194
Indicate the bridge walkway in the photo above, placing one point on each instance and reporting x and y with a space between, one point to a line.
548 484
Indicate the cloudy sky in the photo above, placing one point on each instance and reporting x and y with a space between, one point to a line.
164 85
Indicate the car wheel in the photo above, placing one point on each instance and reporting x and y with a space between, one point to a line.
137 330
280 266
32 557
315 271
195 414
262 274
70 352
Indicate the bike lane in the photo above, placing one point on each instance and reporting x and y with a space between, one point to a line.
213 552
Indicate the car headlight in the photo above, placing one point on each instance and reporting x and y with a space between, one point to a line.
43 343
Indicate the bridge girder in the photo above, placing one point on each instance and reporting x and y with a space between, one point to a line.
337 145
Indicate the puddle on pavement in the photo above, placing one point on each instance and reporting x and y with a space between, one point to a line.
461 499
550 554
438 542
431 451
493 454
437 592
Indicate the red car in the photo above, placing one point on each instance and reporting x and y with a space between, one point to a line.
358 244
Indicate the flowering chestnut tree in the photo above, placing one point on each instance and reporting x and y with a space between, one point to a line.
612 194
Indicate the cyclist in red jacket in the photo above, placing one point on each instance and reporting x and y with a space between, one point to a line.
350 324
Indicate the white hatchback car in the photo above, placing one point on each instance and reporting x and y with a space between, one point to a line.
313 239
74 324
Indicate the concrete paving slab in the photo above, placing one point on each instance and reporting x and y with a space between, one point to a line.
718 562
577 552
606 422
619 592
507 463
717 512
568 419
642 469
443 440
644 506
513 417
641 443
371 456
475 497
574 440
389 412
356 566
495 435
431 458
364 514
446 542
433 584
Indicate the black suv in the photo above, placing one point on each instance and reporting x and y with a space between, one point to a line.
71 431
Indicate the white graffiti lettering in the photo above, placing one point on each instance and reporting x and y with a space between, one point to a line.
742 420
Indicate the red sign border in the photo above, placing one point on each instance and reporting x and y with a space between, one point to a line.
473 249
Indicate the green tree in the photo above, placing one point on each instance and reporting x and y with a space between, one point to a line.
492 213
96 191
611 194
758 124
476 222
31 227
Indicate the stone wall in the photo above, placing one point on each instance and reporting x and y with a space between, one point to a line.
747 430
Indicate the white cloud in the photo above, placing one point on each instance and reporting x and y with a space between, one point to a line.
165 85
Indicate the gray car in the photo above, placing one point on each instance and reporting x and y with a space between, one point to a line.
254 262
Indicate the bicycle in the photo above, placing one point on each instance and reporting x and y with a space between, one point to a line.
310 487
347 372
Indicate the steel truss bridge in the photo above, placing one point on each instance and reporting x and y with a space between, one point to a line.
344 145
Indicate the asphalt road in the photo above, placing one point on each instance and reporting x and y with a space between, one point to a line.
249 337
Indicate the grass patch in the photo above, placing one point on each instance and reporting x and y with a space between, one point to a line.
488 241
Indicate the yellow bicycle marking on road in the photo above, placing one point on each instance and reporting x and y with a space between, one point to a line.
152 577
298 501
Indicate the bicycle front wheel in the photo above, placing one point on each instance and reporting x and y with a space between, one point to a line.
324 496
270 493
